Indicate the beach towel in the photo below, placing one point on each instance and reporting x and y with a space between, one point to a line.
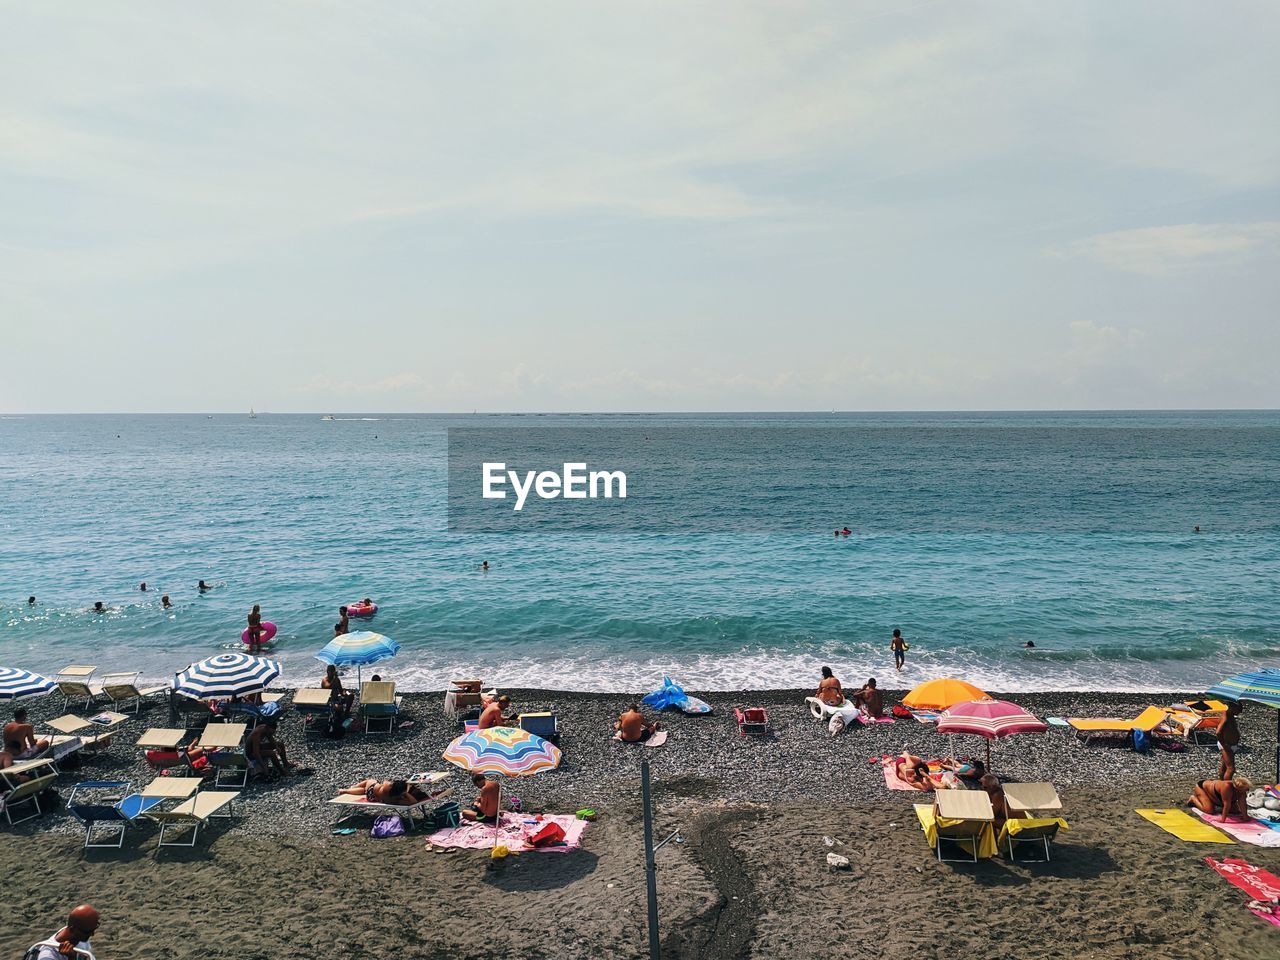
1261 886
1250 831
925 716
513 833
655 739
1184 827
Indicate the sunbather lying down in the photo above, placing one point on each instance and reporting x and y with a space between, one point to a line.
913 771
396 793
941 774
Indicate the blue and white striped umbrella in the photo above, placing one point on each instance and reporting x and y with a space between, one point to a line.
226 675
16 684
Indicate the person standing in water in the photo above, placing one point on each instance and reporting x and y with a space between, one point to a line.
255 629
899 648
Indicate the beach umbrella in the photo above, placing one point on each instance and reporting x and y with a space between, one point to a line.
942 693
226 675
506 751
16 684
1257 686
358 649
990 719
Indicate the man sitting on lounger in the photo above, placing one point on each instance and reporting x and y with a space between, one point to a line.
491 716
869 699
485 807
396 793
633 726
1221 796
20 739
829 690
266 752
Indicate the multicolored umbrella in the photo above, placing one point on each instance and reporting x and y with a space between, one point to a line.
226 675
16 684
508 751
358 649
942 693
1257 686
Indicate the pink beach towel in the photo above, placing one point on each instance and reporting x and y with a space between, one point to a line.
1249 832
513 833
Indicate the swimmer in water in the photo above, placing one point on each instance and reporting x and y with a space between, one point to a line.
97 607
202 586
485 566
143 586
164 601
1197 529
1029 644
255 629
31 601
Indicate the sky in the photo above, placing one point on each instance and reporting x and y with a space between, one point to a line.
661 206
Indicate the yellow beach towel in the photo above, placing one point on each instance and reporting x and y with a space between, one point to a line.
1185 827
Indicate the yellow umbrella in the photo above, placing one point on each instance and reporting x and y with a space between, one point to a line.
942 693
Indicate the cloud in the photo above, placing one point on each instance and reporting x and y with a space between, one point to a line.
1158 251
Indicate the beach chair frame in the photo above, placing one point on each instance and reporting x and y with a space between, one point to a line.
109 810
233 762
127 690
965 830
1043 837
78 690
28 792
178 818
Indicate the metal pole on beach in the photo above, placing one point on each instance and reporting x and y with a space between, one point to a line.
650 865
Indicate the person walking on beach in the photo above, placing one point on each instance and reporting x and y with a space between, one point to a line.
1228 740
72 940
899 647
255 629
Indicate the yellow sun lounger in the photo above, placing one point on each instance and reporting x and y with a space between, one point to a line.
975 836
1146 721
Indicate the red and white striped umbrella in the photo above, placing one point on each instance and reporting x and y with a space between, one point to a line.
990 719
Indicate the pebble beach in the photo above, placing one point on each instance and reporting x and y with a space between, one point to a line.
748 878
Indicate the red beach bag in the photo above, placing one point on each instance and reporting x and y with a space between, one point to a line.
548 834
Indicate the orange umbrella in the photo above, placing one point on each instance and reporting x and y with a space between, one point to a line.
942 693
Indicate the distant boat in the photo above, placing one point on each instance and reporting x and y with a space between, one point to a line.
252 415
327 416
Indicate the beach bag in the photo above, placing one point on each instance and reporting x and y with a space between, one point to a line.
548 834
1141 741
388 826
446 816
901 712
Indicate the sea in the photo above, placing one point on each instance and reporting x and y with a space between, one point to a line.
973 533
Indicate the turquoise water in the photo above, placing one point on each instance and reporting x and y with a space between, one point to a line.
1093 557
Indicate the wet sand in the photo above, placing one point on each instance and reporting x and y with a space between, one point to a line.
749 881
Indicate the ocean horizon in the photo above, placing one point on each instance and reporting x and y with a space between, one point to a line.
1089 553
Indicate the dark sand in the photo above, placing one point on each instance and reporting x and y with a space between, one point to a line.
750 880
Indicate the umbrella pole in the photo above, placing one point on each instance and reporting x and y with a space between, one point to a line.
988 756
497 816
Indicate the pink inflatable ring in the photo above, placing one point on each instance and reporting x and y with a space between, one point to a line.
264 636
361 609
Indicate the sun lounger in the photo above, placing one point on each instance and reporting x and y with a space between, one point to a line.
194 813
119 808
29 792
1036 831
231 766
545 725
965 818
194 713
349 806
1147 721
1195 726
80 691
378 702
122 687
